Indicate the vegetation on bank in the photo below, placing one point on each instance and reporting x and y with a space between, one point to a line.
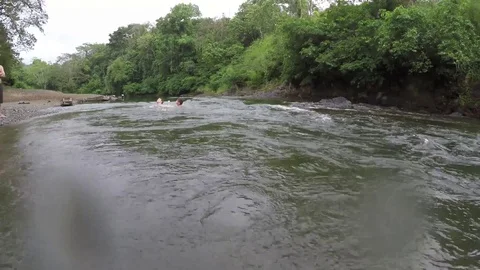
377 45
17 17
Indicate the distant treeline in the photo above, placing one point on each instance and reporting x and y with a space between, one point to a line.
377 44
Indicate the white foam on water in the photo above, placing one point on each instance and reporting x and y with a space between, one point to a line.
288 108
324 117
315 115
162 107
316 107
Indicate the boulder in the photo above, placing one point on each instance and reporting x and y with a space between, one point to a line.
337 103
456 114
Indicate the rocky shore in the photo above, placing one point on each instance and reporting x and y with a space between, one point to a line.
21 105
15 112
342 99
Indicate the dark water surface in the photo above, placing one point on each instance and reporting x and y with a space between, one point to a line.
231 184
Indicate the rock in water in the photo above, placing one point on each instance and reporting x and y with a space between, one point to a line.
333 103
456 114
337 102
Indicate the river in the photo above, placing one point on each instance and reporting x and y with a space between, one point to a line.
239 184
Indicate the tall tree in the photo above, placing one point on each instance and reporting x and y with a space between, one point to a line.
124 36
18 16
37 74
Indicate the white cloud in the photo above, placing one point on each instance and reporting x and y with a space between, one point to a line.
74 22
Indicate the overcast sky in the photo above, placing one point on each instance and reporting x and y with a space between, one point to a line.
74 22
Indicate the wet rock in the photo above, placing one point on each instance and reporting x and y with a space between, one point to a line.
273 94
363 106
337 103
456 114
333 103
268 95
16 113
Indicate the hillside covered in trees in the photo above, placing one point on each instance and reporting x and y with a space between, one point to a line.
418 50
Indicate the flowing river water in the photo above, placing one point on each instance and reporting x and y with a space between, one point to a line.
239 184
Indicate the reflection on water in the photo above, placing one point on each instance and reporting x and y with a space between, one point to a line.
231 184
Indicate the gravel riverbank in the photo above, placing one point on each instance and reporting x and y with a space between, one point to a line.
23 104
15 112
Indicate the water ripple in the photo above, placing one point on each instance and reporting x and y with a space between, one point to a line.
226 183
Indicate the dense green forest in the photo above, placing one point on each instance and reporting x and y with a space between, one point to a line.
377 45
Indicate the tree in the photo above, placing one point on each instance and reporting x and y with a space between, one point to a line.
17 16
8 57
361 46
123 37
38 74
118 75
299 8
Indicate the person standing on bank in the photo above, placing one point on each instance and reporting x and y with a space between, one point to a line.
2 75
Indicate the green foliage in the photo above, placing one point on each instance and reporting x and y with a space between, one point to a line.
17 17
383 42
377 44
119 73
257 66
8 57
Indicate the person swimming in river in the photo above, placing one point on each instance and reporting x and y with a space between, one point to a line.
178 102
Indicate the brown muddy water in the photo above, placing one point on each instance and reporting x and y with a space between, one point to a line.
238 184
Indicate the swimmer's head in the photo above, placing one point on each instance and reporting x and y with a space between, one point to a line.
159 101
179 102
